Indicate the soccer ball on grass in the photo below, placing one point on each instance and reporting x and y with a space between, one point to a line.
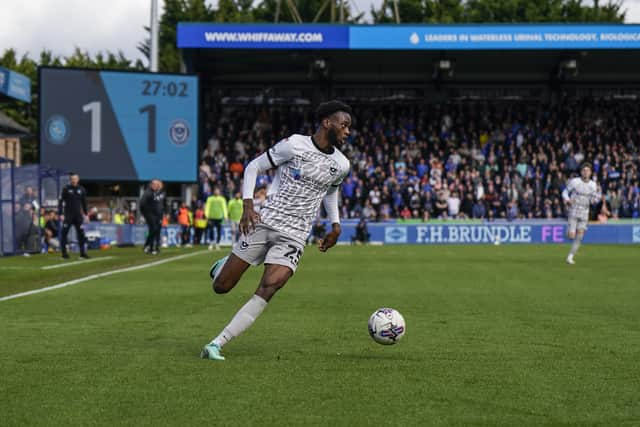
386 326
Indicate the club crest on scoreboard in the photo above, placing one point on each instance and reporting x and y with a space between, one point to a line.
58 129
179 132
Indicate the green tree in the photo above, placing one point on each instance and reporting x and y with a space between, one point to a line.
611 11
502 11
309 11
20 111
176 11
409 10
431 11
234 11
108 60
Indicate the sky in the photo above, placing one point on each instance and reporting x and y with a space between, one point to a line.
98 25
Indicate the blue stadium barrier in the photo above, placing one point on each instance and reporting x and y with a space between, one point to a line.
551 232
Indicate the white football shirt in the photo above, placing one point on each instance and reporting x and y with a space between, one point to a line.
304 175
582 195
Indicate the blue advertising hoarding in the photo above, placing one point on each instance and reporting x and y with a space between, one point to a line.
551 232
408 37
509 233
494 37
15 85
112 125
263 36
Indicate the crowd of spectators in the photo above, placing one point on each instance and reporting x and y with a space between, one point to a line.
479 160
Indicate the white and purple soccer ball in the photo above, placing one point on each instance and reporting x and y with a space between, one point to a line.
386 326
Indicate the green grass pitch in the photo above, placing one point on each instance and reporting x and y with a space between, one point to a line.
496 335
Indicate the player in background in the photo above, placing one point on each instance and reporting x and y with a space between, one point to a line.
310 170
579 194
200 224
185 219
72 209
216 212
153 207
235 215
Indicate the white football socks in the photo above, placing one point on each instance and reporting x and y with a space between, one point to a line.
241 321
576 245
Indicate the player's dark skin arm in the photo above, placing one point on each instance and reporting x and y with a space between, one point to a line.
331 238
275 276
250 218
334 130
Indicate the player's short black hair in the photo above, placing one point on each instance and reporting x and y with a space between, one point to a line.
328 108
586 165
73 173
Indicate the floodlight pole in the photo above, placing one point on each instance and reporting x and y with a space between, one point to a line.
396 12
153 60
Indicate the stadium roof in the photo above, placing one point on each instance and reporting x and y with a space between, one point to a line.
393 67
236 60
8 126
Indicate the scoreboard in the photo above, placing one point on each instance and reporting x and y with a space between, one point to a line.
113 125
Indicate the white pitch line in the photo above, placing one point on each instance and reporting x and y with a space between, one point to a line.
67 264
99 275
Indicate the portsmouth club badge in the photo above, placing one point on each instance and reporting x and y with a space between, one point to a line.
296 174
179 132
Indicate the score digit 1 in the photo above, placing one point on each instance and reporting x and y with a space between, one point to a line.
95 108
151 126
96 124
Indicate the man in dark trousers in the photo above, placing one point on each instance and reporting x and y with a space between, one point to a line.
362 233
152 207
72 209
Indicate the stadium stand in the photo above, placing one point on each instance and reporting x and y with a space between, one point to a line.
452 160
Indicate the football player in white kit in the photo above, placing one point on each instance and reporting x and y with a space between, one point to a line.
579 194
310 170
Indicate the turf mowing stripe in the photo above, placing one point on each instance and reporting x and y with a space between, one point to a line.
67 264
99 275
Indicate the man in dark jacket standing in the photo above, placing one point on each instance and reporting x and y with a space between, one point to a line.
72 209
152 207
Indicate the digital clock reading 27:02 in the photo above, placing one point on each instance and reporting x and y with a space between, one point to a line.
157 87
112 125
